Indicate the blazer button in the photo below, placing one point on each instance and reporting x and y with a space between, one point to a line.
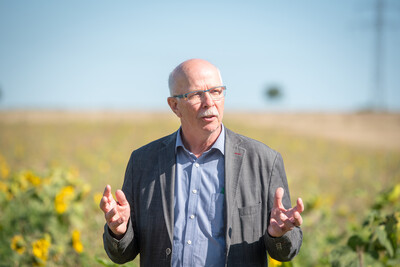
168 251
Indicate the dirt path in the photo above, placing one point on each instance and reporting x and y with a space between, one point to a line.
365 129
376 130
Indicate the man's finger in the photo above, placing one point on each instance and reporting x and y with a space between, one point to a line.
300 205
115 224
298 220
287 226
121 198
107 191
109 215
278 198
104 204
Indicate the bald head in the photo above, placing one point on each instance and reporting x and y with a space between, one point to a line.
189 73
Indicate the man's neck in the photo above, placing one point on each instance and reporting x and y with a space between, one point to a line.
198 144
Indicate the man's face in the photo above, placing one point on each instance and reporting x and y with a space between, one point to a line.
205 117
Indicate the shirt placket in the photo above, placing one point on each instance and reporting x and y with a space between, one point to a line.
194 198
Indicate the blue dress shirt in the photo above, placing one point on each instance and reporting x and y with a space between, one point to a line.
199 206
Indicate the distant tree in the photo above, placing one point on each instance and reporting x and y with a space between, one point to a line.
273 92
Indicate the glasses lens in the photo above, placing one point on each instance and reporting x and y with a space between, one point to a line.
195 96
215 93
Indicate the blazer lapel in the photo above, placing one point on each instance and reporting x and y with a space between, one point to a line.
167 181
233 163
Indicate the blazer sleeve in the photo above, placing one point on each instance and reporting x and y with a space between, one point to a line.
127 248
119 251
286 247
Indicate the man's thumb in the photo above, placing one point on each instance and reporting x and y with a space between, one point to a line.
278 197
121 198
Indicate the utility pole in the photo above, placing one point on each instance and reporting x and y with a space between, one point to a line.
378 87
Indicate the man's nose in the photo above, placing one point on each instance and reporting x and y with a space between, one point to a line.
207 100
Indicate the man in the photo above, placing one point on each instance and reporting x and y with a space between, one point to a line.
204 195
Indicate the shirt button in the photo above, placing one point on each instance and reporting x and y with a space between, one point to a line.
192 216
194 191
197 165
189 242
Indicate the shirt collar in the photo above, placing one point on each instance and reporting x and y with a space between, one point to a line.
219 143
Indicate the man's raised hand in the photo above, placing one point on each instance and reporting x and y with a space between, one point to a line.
283 220
117 213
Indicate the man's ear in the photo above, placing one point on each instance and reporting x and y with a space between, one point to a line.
173 104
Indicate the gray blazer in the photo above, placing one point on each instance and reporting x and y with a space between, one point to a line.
253 172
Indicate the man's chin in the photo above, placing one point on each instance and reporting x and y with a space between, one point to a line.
212 127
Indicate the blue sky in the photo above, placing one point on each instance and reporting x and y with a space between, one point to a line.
118 54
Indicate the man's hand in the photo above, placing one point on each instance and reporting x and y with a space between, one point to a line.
116 213
283 220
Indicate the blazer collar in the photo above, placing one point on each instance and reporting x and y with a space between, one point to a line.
167 160
234 155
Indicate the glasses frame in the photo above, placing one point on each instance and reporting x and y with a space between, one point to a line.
184 96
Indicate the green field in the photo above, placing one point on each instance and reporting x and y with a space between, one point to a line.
338 178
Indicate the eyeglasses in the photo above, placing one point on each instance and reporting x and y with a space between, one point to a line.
195 97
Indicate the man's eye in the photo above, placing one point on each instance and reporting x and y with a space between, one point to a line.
216 91
195 94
